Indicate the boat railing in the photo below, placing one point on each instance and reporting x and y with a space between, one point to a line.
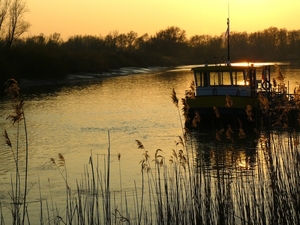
223 90
278 93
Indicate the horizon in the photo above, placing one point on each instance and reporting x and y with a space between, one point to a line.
99 18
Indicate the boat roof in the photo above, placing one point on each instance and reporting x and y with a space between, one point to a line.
224 68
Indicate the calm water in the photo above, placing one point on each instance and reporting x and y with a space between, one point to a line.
75 121
79 121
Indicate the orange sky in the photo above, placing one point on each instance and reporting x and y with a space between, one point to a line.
99 17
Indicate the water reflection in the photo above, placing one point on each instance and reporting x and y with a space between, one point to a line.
226 155
74 121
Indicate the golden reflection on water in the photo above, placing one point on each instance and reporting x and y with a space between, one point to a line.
75 121
225 155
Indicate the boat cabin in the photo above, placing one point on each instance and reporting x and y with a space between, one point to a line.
225 80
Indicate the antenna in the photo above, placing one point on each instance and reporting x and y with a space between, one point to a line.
228 37
228 9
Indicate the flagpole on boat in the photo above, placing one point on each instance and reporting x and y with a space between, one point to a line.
228 43
228 37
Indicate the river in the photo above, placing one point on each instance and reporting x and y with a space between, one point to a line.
79 121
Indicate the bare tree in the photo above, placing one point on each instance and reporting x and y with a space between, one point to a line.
4 4
16 24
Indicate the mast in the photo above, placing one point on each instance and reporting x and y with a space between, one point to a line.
228 38
228 42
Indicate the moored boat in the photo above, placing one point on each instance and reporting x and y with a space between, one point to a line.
227 91
234 95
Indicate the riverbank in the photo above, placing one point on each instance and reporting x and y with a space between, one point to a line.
82 78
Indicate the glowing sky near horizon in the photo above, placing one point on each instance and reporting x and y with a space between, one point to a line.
196 17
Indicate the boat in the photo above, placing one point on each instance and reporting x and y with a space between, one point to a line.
230 95
227 91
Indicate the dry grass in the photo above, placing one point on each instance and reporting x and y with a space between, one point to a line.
216 112
229 102
249 113
216 186
18 116
174 98
19 183
12 88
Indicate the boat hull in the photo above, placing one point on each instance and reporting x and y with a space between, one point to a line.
220 112
207 103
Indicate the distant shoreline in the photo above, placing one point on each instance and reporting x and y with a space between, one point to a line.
83 78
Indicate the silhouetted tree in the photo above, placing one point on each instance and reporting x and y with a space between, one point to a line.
40 56
4 5
200 48
169 41
239 45
16 24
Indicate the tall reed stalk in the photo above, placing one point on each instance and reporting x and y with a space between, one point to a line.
18 199
214 185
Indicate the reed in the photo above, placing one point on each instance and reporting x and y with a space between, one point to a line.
222 191
19 199
203 182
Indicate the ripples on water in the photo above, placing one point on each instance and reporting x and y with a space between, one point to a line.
75 120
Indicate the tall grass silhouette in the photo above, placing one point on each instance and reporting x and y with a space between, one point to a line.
199 182
19 186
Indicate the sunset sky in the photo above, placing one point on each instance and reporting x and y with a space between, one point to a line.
99 17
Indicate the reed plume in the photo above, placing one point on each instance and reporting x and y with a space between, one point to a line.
7 139
280 77
18 116
219 134
174 98
297 96
178 157
191 92
120 218
192 87
196 120
185 108
157 153
249 112
242 133
8 142
216 112
145 161
139 144
264 103
60 164
229 133
61 160
180 141
12 88
146 156
182 158
229 101
158 159
174 153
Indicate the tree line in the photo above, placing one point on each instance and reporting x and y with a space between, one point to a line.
50 56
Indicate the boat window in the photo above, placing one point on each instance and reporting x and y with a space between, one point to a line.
201 79
220 78
239 78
